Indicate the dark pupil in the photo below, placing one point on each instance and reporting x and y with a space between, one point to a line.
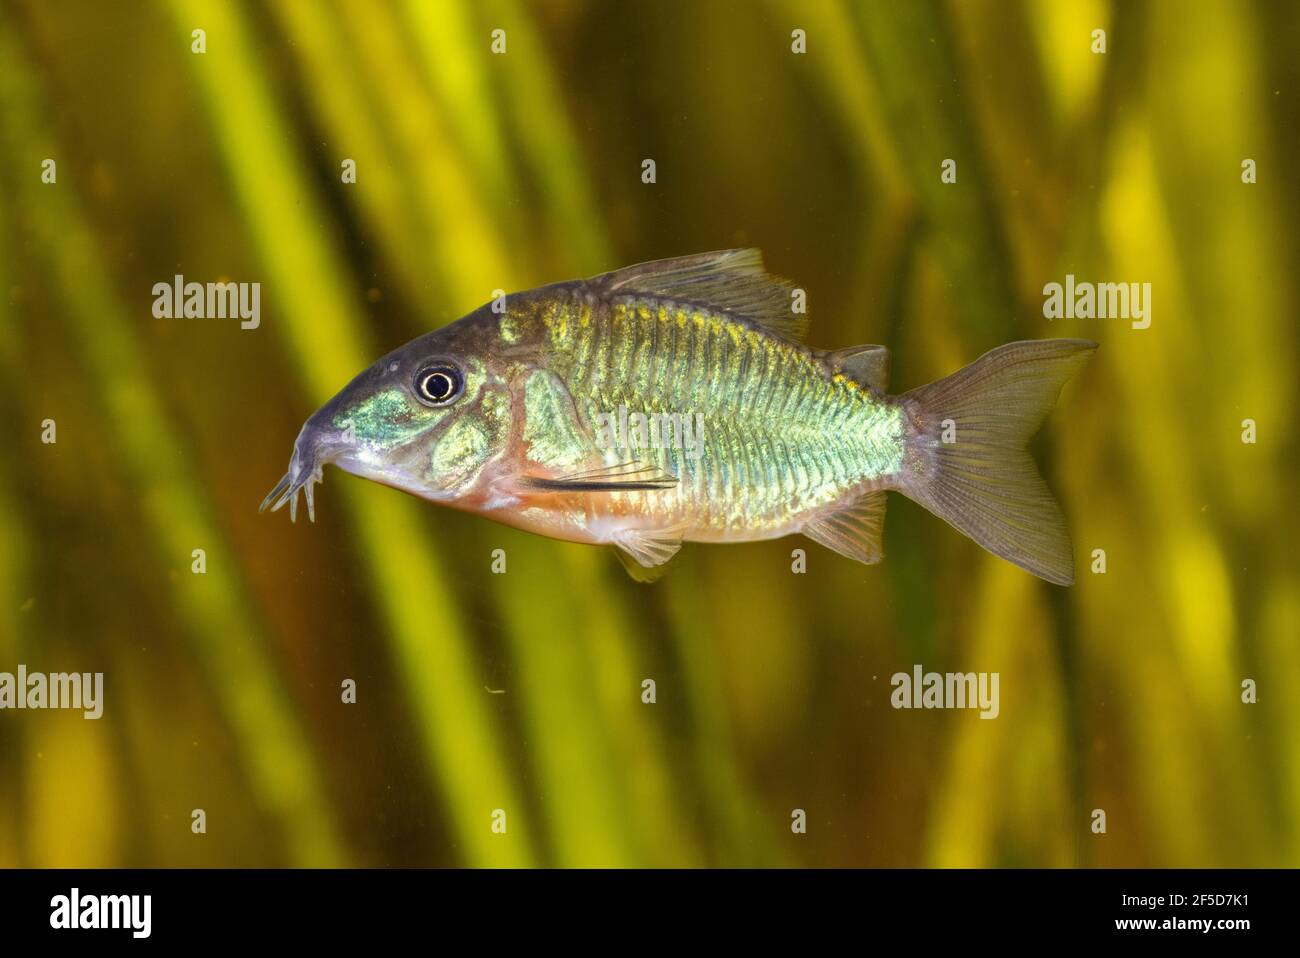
438 386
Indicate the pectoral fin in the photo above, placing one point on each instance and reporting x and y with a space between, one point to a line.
623 477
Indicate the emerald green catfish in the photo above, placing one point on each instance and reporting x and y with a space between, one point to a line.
673 401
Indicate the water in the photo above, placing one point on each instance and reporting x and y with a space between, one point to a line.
368 690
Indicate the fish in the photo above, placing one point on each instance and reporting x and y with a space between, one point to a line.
675 401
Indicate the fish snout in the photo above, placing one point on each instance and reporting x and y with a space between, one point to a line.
321 439
319 442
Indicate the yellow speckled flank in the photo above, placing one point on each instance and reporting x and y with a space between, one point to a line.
781 434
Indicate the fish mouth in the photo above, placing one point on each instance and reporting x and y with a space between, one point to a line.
299 478
305 470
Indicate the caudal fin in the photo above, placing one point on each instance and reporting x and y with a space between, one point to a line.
966 459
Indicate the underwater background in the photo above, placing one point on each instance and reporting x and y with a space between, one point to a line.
485 698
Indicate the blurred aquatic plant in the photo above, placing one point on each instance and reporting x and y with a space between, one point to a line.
281 769
479 171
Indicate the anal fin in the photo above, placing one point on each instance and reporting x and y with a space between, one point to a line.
854 531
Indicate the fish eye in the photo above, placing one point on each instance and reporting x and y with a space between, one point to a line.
439 384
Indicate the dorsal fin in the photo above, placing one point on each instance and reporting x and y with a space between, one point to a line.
868 365
733 280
